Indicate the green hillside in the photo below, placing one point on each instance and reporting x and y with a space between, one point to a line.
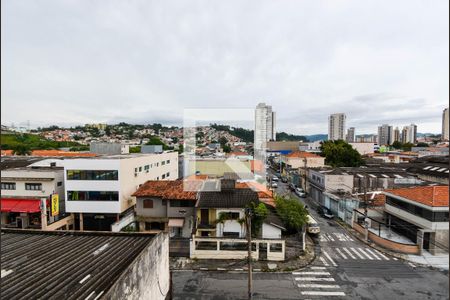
31 141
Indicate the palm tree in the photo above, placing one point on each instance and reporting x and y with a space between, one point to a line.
223 216
21 150
241 222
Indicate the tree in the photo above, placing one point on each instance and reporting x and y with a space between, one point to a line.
223 141
180 148
407 146
136 149
260 213
21 149
397 145
340 154
422 144
226 149
292 213
156 141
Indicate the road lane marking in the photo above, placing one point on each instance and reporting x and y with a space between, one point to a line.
314 279
381 254
318 268
349 253
311 273
357 253
318 286
349 238
324 261
329 258
317 293
370 251
342 254
368 256
395 258
330 237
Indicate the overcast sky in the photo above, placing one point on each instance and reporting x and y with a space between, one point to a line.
80 61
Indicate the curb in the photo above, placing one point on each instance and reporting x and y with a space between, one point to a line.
387 252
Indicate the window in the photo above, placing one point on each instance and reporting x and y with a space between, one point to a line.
59 183
163 176
163 163
8 185
92 175
154 226
140 169
93 195
146 167
231 215
168 161
276 247
167 174
147 203
33 186
440 216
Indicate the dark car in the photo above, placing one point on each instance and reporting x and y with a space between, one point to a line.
324 212
284 179
292 186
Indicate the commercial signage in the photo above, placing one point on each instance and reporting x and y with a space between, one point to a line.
55 204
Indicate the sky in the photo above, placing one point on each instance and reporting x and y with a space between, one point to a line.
88 61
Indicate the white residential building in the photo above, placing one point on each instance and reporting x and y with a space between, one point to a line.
264 127
445 124
385 135
336 126
409 134
350 138
99 189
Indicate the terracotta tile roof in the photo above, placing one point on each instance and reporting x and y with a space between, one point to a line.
301 154
262 190
169 189
428 195
238 153
6 152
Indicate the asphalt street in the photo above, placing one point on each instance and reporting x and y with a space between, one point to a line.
345 269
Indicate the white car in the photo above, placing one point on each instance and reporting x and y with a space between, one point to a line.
300 192
274 178
274 185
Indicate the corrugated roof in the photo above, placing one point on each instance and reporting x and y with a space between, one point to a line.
428 195
64 265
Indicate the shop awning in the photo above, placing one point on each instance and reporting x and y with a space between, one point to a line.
20 205
176 222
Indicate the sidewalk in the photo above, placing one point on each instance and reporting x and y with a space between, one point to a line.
426 259
295 260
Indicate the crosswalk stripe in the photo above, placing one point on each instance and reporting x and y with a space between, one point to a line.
314 279
349 253
311 273
357 253
318 286
323 238
330 237
320 293
324 261
370 251
342 254
363 252
330 259
349 238
381 254
318 268
395 258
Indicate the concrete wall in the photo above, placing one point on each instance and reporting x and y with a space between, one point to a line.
148 276
418 221
441 239
391 245
335 182
363 148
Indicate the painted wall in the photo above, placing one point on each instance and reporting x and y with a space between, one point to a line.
148 276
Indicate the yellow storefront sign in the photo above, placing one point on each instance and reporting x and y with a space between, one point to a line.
55 204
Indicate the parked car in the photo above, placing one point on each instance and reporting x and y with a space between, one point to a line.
325 212
284 179
292 186
274 178
274 185
300 192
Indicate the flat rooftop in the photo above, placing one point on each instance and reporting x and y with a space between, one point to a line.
65 264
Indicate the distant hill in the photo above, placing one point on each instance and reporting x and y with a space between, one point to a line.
317 137
283 136
34 142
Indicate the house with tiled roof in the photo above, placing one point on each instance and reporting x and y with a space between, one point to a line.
167 206
420 214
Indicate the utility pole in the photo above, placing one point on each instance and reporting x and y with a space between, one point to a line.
366 224
249 243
